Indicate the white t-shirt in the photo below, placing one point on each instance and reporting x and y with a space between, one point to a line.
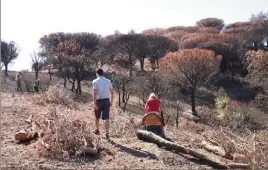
103 86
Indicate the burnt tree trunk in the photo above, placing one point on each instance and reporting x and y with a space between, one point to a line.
209 158
124 93
65 81
130 65
36 75
177 117
79 89
193 91
73 85
78 80
142 63
126 101
6 69
119 98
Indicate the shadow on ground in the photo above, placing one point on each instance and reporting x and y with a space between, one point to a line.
203 97
134 152
236 89
135 109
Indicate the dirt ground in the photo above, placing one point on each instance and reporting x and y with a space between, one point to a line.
130 152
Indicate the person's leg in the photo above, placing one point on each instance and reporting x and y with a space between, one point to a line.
107 126
17 86
106 116
97 120
20 86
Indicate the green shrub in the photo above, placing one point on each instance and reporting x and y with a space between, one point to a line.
220 104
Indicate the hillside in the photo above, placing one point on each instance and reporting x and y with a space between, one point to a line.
125 150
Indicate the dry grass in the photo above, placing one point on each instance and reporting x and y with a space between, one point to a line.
67 124
124 125
56 95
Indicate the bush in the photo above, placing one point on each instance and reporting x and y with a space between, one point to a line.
220 104
236 115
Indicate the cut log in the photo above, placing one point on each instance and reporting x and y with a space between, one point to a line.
90 151
22 135
214 149
86 151
203 155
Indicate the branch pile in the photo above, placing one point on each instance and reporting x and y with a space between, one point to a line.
61 137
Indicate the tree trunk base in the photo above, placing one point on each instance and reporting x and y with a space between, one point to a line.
211 159
156 129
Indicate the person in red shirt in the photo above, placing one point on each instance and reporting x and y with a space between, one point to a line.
152 104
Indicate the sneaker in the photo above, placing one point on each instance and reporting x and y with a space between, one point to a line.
97 132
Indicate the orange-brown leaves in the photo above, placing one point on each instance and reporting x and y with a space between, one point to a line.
257 60
154 31
70 48
192 29
242 27
192 40
192 65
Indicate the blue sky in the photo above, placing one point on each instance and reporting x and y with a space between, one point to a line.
25 21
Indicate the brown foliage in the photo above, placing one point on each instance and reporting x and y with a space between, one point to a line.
257 60
69 48
154 31
56 95
193 29
193 65
241 27
192 40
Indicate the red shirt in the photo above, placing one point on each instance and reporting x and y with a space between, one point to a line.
153 105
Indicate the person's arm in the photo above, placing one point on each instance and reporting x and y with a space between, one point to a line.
112 94
94 95
159 106
146 107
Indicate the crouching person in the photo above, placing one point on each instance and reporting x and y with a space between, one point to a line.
153 121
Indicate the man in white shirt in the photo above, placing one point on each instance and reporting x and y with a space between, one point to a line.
102 87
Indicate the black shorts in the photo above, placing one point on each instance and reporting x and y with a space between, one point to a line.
103 110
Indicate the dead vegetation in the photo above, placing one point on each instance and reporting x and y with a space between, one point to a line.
59 130
62 128
56 95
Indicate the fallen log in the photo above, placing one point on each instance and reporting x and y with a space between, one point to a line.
21 135
218 150
203 155
86 151
24 135
32 132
